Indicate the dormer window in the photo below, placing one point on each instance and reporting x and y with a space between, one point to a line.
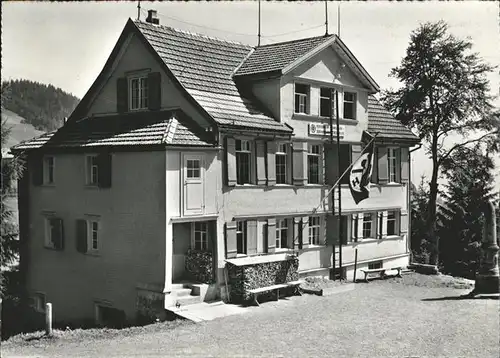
349 105
138 92
301 98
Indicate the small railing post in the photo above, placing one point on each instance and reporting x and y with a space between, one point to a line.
355 264
48 319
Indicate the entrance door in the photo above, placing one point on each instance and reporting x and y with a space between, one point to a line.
194 184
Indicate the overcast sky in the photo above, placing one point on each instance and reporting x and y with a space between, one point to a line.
66 44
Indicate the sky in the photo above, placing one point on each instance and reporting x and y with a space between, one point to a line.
67 43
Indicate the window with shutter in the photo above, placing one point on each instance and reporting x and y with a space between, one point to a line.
54 233
138 93
91 170
121 95
81 236
104 170
154 82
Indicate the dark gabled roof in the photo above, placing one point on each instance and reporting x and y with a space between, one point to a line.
134 129
382 121
275 57
204 67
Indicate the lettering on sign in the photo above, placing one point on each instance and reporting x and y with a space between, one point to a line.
324 129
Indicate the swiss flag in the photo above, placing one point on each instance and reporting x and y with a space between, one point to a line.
361 170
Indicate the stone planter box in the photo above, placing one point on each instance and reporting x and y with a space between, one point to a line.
424 268
328 291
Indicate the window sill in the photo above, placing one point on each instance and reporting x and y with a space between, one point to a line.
48 185
94 253
282 250
91 186
52 248
312 247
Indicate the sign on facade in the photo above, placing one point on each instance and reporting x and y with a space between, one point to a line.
320 129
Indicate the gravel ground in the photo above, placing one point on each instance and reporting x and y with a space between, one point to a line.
385 318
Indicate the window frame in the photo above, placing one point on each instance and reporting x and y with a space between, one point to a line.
243 231
353 103
314 230
374 265
48 243
89 166
193 169
323 98
143 100
287 162
204 239
280 230
311 154
49 170
248 151
392 174
395 222
365 237
90 235
300 95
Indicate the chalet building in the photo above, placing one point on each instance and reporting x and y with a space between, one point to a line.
190 152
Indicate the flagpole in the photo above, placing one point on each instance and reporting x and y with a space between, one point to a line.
340 178
332 276
340 187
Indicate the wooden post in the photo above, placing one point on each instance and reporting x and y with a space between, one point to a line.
48 319
355 264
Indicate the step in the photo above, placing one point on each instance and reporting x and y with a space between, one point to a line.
187 300
181 285
181 292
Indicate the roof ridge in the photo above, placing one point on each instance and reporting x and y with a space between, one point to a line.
296 40
192 33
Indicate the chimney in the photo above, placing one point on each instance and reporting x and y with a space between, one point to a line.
152 18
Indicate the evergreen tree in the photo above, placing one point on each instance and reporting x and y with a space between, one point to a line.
469 187
444 92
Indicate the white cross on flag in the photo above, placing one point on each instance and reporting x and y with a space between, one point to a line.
361 170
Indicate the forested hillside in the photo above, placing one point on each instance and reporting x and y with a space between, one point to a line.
42 106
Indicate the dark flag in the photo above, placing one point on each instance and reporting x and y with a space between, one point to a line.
361 170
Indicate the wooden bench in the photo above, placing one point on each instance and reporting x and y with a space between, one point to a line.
381 271
255 292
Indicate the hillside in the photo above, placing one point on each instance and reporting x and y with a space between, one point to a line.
42 106
19 129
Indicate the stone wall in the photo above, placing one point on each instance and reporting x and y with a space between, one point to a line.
248 277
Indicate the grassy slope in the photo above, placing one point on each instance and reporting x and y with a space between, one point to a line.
413 316
19 131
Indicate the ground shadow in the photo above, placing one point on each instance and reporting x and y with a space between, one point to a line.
462 297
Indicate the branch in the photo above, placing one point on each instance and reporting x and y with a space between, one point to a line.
445 156
450 129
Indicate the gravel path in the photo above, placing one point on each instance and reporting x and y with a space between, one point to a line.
379 319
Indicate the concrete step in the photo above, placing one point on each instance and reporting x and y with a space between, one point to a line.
181 292
187 300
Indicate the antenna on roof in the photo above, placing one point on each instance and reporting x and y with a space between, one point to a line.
338 20
258 42
326 17
138 9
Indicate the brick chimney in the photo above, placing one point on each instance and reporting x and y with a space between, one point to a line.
152 17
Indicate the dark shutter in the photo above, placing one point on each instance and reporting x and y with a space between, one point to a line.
345 162
260 149
81 236
104 170
271 235
154 91
121 95
383 170
300 233
374 178
37 175
332 231
344 229
331 164
251 237
231 248
405 164
58 233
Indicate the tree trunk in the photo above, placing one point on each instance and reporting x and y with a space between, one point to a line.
431 237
